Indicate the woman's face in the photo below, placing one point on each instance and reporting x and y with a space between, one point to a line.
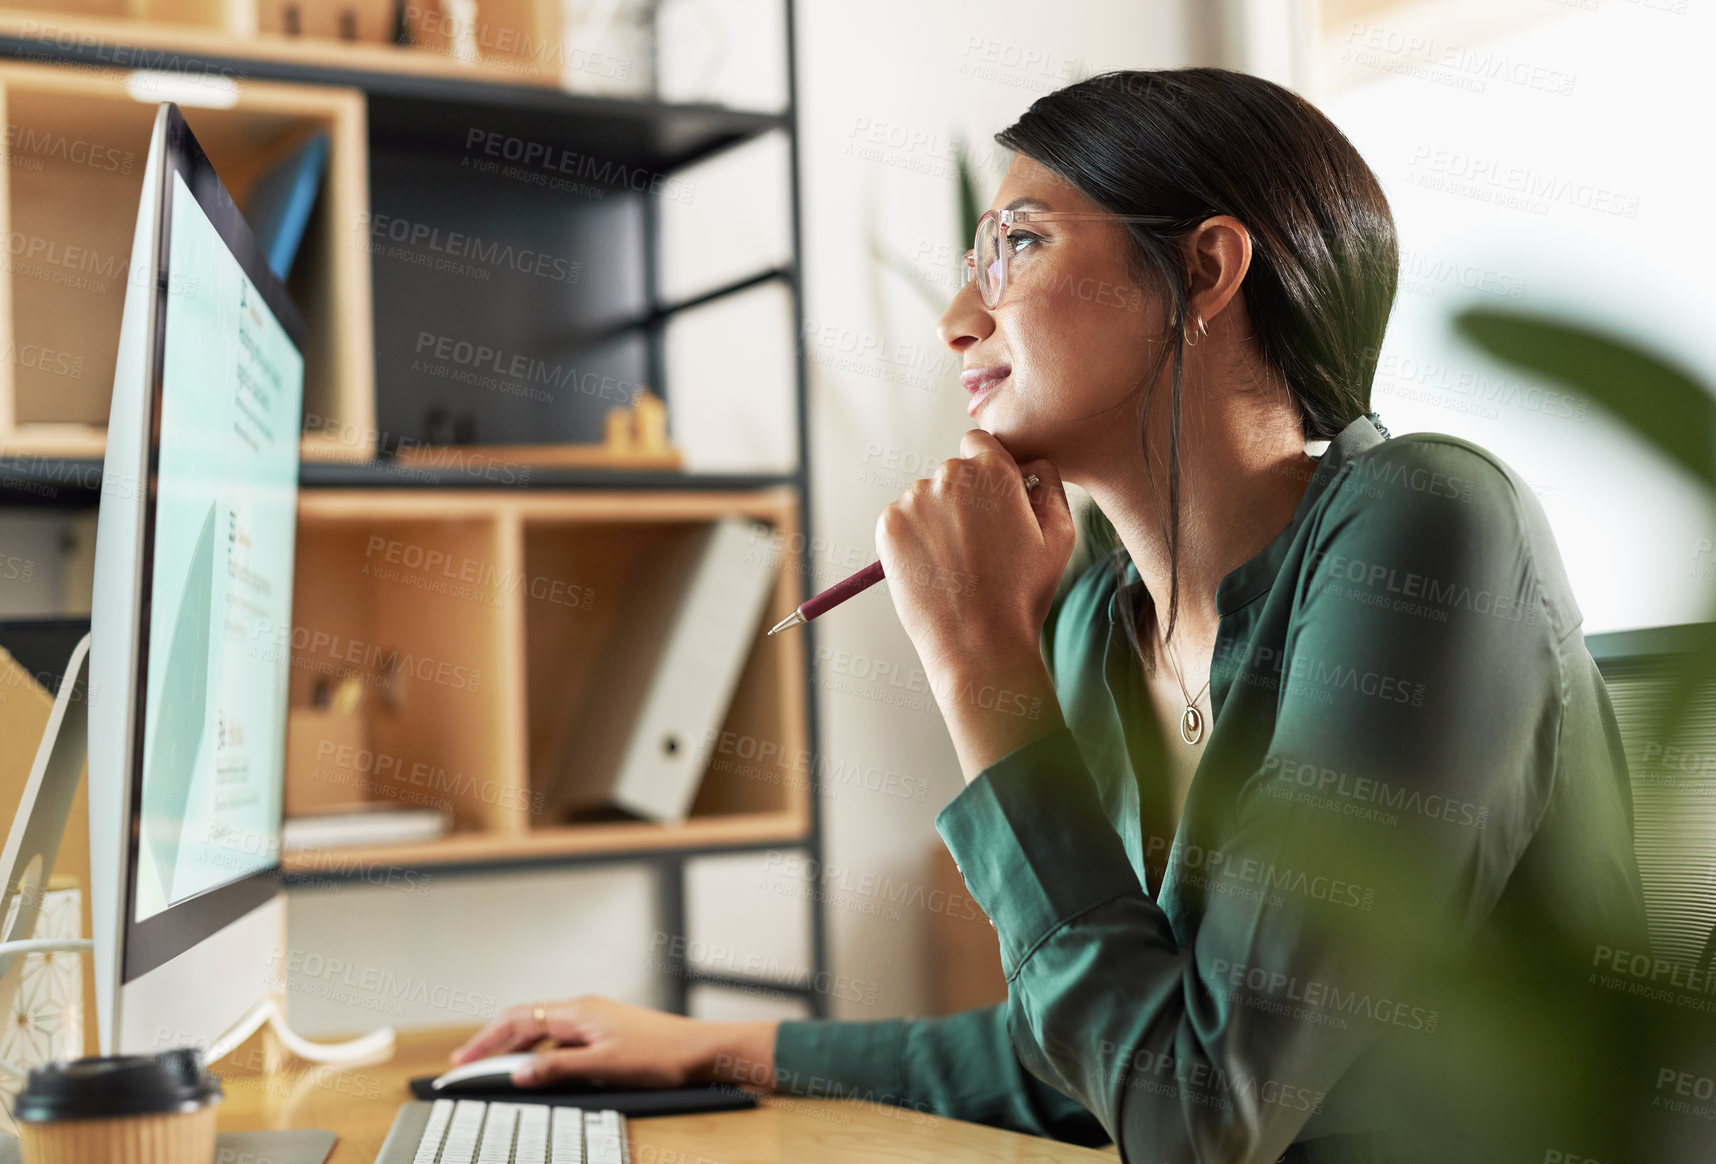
1056 368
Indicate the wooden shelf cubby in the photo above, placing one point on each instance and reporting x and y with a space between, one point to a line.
502 605
71 173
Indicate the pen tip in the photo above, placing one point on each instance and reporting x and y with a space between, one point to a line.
792 619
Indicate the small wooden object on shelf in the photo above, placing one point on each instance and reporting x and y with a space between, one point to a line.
635 438
324 741
520 37
347 20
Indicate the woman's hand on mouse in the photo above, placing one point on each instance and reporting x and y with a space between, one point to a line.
615 1043
973 560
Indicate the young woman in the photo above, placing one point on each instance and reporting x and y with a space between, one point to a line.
1300 815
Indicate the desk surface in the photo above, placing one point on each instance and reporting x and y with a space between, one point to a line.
360 1102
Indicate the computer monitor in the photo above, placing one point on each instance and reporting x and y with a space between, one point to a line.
193 587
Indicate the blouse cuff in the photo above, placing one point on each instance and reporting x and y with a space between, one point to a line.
1030 838
858 1060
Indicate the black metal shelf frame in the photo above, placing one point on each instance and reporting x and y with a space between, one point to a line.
76 484
404 106
659 314
415 111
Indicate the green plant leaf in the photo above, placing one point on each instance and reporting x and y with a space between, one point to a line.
1667 407
931 296
968 212
1661 403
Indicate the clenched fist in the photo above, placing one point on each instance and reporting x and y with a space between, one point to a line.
973 560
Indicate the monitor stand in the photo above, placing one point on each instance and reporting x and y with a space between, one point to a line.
34 843
27 861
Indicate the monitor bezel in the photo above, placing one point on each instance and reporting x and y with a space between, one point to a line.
156 940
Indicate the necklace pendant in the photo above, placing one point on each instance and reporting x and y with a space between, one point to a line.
1192 725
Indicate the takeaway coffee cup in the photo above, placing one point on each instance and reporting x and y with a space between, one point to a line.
123 1109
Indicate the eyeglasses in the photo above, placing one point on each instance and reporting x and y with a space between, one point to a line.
990 270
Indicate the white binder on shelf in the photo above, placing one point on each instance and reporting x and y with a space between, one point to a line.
643 736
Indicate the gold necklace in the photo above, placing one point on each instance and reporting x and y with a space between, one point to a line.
1192 722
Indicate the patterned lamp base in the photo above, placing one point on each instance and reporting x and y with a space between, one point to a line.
46 1022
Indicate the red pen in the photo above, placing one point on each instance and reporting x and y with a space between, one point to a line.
841 591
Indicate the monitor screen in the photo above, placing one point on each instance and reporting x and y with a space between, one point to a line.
219 553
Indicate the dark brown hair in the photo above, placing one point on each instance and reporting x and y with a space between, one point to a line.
1192 143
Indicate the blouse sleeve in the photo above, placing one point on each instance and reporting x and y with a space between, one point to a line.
1223 1042
962 1066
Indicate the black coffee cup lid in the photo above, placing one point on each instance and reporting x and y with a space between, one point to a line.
116 1086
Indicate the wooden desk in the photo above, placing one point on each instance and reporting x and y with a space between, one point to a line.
360 1102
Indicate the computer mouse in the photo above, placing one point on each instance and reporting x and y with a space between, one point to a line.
495 1071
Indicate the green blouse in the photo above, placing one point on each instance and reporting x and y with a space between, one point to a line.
1373 930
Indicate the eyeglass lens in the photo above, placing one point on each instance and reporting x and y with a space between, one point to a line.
988 259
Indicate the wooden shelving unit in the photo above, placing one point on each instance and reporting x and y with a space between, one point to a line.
521 590
401 121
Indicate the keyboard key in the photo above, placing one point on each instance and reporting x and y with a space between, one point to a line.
498 1134
429 1147
463 1135
567 1136
605 1137
532 1145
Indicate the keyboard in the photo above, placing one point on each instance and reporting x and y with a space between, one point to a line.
469 1131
